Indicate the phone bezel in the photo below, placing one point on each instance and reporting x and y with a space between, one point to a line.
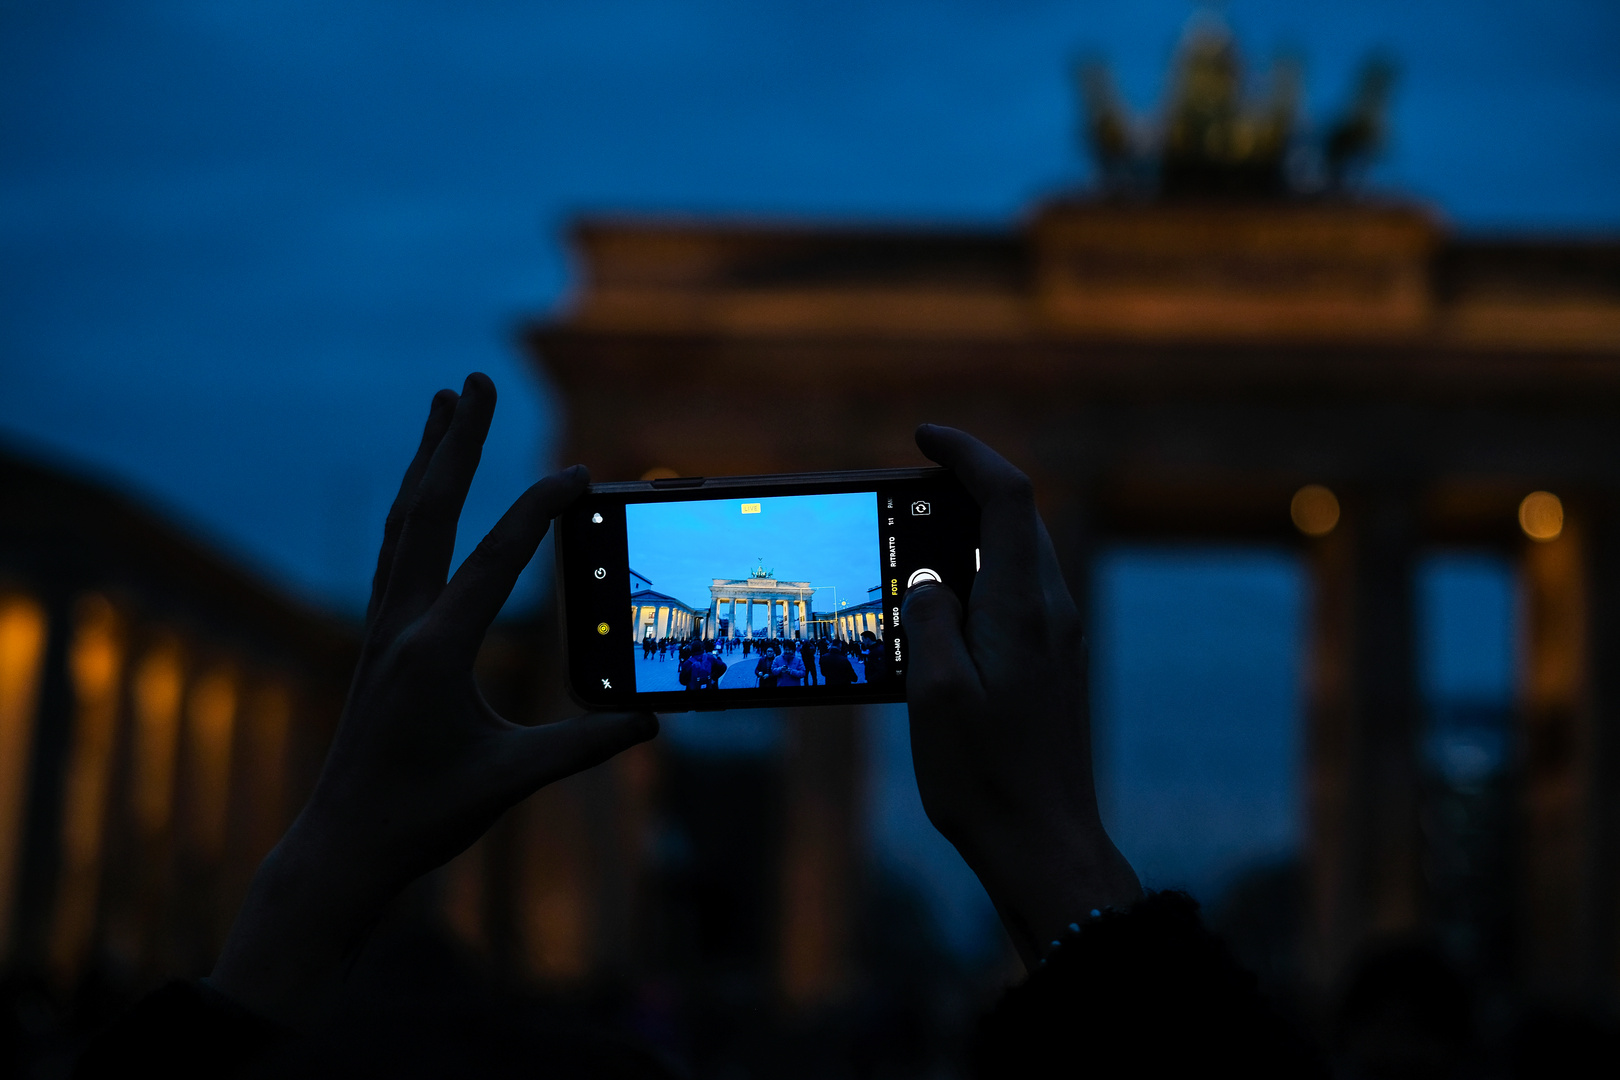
940 483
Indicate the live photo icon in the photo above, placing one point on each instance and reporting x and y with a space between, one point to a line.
919 508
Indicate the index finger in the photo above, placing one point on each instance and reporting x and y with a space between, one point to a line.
480 587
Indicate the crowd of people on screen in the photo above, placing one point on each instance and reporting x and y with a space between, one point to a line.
778 662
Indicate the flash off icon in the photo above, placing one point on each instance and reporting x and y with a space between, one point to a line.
919 509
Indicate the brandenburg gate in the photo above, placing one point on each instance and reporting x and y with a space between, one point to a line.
787 606
1181 364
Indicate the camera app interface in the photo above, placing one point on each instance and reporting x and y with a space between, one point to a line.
756 593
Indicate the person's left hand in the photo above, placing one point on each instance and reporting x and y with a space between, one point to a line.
421 765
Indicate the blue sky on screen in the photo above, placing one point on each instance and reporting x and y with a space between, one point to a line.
828 540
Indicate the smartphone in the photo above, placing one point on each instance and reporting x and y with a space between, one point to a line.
694 593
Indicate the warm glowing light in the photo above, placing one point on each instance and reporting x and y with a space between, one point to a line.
156 699
1541 516
267 726
1315 510
95 664
659 472
22 649
210 722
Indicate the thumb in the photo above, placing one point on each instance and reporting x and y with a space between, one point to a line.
940 667
547 753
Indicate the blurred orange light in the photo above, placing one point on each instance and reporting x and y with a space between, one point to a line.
22 651
659 472
157 691
95 664
211 712
1541 516
1315 510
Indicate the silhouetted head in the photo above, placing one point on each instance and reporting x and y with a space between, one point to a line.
1406 1013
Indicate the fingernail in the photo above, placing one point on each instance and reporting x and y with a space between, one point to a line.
478 381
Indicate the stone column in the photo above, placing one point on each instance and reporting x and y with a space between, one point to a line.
1571 715
820 858
1601 977
749 604
1364 875
59 717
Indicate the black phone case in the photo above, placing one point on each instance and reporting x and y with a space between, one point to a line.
950 539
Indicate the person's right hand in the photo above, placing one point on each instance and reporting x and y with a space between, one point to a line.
1000 719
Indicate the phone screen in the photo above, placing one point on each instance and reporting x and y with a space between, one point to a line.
769 571
777 590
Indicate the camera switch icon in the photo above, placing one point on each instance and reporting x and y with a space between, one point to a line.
601 572
920 509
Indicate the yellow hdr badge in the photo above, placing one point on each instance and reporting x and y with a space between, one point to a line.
750 508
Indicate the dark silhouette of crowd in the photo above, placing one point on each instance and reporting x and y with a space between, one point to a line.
777 662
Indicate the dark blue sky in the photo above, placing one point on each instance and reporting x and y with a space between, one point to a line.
243 243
